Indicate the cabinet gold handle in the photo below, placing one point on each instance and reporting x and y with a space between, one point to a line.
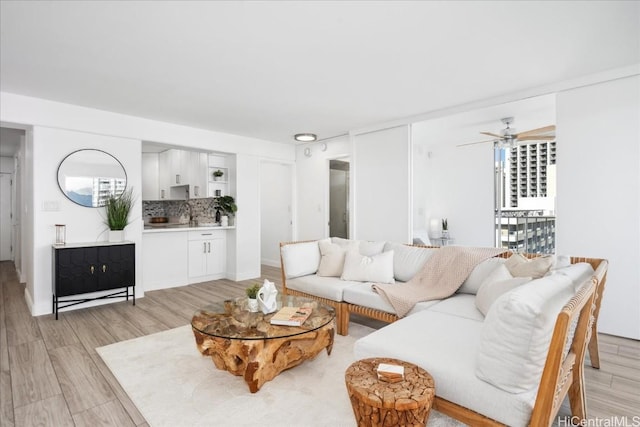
92 269
104 268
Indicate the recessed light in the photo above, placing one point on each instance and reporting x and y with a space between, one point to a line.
305 137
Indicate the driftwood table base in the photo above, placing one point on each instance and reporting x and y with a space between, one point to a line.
261 360
378 403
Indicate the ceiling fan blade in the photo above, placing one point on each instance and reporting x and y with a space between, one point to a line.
474 143
544 129
537 138
492 134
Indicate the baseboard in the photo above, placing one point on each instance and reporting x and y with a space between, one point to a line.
270 262
244 276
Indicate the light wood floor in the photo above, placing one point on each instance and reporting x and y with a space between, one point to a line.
51 375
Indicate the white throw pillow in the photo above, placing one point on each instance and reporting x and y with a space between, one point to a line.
520 266
361 268
490 291
578 272
479 274
332 257
300 259
408 260
516 333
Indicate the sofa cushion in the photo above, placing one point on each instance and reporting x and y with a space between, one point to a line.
462 305
517 331
300 259
491 290
361 268
407 260
332 257
446 346
578 272
520 266
479 274
324 287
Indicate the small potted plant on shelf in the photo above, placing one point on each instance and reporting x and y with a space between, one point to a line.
252 294
217 175
118 209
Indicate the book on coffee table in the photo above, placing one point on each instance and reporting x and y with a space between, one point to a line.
291 316
390 373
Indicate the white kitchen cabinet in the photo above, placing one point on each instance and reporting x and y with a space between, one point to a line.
179 167
164 172
207 255
198 169
164 260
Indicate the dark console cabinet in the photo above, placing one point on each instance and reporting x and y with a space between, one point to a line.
84 268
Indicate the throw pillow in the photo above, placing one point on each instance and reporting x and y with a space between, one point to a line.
534 267
332 257
490 291
361 268
479 274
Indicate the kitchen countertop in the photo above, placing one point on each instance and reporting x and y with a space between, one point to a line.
163 228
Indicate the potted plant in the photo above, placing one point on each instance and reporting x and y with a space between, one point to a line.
224 206
217 175
118 209
445 228
252 294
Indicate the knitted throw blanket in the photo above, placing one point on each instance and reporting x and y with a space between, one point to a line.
441 275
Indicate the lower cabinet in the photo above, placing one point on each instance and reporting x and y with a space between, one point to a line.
207 254
85 268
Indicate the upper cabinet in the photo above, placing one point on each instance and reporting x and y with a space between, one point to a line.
180 174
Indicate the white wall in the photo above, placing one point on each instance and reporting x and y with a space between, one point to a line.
381 178
312 187
598 188
6 164
83 224
276 209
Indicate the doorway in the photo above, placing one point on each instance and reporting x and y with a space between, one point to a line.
6 231
276 210
339 198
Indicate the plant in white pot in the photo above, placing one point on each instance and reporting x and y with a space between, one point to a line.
118 210
252 295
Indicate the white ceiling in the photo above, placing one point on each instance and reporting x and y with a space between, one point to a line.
271 69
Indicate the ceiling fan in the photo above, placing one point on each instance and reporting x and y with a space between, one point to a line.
510 138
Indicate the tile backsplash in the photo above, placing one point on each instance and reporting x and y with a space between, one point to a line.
202 209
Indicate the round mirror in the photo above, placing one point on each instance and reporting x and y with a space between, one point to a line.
90 177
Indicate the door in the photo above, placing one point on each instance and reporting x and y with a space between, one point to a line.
6 246
276 212
339 198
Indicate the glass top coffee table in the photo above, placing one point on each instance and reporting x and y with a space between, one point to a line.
247 344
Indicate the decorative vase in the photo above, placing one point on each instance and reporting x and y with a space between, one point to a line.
224 221
116 235
218 216
445 234
252 305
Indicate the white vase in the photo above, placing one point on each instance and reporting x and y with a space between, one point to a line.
252 305
116 235
224 221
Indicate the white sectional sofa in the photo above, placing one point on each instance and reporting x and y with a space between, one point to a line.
502 350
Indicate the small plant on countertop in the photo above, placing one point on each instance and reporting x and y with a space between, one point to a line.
445 224
218 173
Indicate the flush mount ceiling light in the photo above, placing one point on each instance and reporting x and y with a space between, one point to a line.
305 137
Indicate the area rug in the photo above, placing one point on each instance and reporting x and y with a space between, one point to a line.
171 384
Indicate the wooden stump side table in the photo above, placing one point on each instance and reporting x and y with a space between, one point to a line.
378 403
